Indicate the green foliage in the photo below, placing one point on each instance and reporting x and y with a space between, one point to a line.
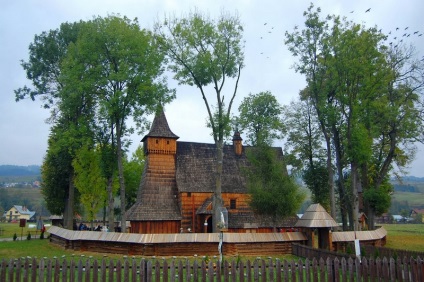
89 180
379 199
376 253
133 170
273 191
349 250
56 170
364 94
203 51
260 118
316 179
43 68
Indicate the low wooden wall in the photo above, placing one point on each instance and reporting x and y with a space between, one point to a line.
376 237
180 244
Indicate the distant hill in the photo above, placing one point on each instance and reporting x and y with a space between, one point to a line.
406 179
15 170
19 175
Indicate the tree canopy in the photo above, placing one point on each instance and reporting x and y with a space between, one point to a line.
260 118
204 52
352 78
96 75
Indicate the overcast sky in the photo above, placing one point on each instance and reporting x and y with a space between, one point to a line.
24 133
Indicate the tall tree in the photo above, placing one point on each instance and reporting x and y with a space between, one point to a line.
358 89
273 192
89 181
118 63
310 46
259 116
306 154
43 68
206 52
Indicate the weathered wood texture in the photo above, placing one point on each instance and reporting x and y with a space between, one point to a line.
175 248
178 244
190 203
155 227
161 145
132 269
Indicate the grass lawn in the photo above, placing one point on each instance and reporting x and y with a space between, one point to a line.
8 229
405 236
42 248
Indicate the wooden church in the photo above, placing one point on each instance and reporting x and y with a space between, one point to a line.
178 181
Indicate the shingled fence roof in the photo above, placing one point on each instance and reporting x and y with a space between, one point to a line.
316 216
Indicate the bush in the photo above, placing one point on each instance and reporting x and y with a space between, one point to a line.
15 237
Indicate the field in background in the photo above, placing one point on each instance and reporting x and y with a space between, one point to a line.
405 236
7 230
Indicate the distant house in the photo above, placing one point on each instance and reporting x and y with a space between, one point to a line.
178 182
415 213
398 218
16 213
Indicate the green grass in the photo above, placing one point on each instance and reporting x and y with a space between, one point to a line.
405 236
8 229
413 199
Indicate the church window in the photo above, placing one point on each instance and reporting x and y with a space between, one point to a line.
233 204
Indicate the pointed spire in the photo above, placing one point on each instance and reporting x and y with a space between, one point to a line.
160 127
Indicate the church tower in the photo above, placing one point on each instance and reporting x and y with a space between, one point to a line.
156 209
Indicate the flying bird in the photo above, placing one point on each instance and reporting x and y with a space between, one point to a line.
420 34
265 23
368 10
406 28
351 12
397 28
416 32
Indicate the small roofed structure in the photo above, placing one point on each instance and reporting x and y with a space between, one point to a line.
317 220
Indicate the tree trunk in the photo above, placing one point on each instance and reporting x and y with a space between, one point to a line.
371 218
330 177
68 216
110 204
355 200
217 201
121 177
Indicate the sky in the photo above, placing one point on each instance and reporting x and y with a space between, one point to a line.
268 63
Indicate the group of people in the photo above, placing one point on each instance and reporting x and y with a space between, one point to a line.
83 227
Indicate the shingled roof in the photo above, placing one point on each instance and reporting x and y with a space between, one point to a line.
160 127
156 199
316 216
196 164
